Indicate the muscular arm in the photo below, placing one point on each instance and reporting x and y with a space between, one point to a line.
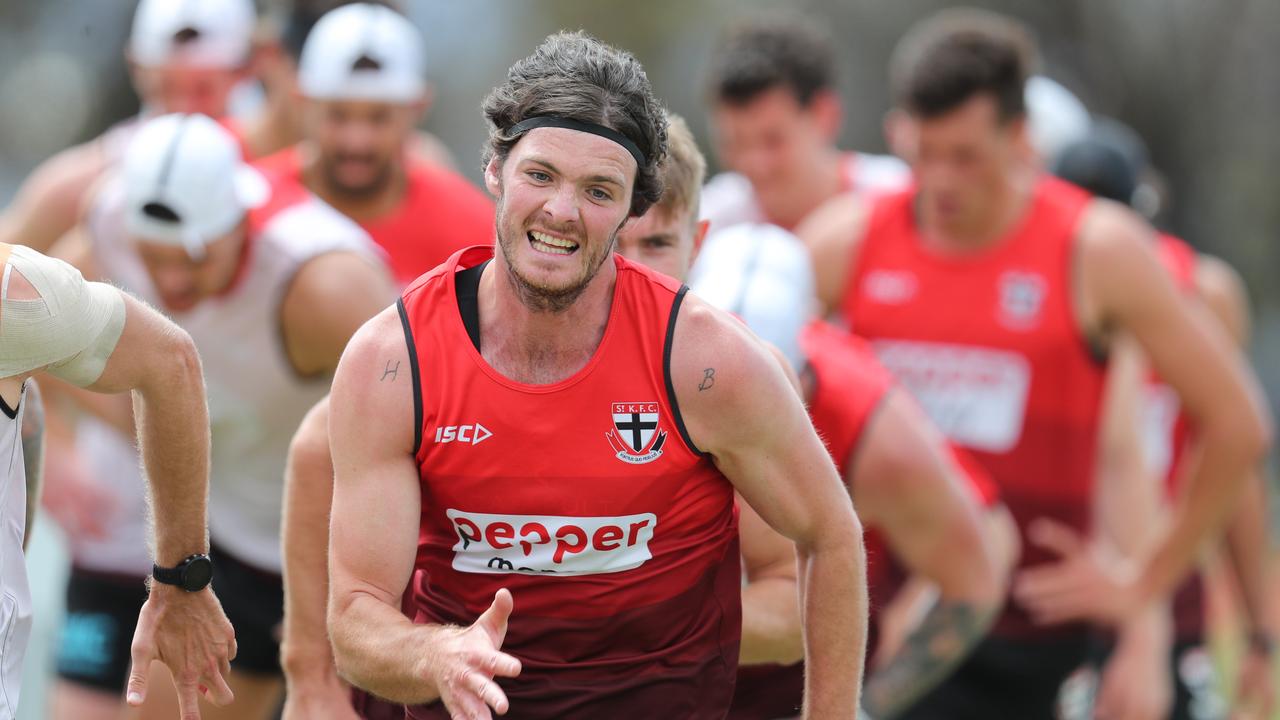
305 654
49 203
1247 540
759 435
905 485
374 645
33 453
771 628
330 297
159 362
1124 286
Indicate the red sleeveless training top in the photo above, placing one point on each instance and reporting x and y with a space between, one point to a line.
617 539
990 346
439 214
849 385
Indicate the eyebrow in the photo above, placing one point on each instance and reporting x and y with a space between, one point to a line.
610 179
670 237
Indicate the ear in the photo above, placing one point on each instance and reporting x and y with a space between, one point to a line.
493 177
423 105
900 134
827 113
699 234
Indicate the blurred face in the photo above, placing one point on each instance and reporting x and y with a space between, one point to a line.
662 240
962 160
562 197
181 89
182 282
360 142
775 142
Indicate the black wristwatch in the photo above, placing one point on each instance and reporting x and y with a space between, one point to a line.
192 574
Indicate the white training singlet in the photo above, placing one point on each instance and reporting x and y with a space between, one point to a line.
15 597
728 198
256 399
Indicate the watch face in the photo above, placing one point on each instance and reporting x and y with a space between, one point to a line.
197 574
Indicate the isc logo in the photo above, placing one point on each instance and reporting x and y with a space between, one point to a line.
472 434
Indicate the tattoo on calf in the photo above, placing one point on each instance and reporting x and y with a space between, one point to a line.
392 371
708 379
944 638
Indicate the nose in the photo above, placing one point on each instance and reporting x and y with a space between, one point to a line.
562 207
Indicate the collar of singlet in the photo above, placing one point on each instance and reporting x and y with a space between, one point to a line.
555 121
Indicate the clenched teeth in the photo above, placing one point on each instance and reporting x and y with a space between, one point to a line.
553 244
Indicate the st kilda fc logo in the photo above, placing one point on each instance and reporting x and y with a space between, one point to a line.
635 436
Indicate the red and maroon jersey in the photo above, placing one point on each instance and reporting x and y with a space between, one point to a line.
849 385
440 213
989 344
1167 435
617 538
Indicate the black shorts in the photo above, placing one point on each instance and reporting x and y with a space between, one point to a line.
1197 690
253 600
102 613
1007 678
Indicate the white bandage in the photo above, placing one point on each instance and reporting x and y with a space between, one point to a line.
69 330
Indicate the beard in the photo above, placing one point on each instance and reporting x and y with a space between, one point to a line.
379 180
540 296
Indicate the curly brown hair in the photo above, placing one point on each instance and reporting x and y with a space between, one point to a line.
573 75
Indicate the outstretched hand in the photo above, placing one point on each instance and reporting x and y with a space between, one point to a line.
190 634
466 661
1087 582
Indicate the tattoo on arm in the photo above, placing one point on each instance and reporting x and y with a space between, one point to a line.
944 638
708 379
392 371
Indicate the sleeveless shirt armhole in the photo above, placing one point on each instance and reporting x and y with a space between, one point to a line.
666 372
12 413
856 449
413 374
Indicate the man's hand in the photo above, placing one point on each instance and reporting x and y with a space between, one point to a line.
190 634
76 501
1256 691
1089 582
327 699
464 661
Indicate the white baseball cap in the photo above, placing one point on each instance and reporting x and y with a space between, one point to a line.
1056 118
762 274
203 33
363 52
185 182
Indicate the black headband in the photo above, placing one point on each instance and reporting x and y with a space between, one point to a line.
570 124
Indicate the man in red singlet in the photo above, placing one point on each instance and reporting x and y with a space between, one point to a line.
547 424
184 57
1110 163
363 93
776 117
923 509
993 293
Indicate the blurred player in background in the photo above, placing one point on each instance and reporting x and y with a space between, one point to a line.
775 115
519 345
184 57
270 298
1111 163
96 337
361 77
277 122
1016 285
